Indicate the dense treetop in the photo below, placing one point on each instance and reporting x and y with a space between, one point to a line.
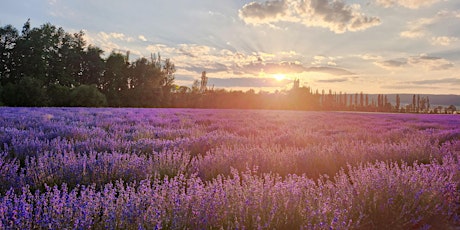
47 66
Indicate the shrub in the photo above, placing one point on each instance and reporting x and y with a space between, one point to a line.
59 95
27 92
87 96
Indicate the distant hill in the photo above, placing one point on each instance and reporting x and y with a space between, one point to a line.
435 100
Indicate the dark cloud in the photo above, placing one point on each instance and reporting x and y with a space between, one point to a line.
183 78
408 86
263 11
334 80
430 62
215 67
453 81
422 61
187 53
391 63
332 14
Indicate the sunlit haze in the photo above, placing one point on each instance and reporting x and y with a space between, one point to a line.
373 46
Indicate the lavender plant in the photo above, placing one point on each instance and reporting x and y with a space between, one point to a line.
78 168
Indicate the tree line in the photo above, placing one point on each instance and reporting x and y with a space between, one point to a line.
301 98
46 66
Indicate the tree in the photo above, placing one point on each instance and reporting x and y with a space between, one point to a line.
367 100
351 100
115 78
451 109
196 86
418 103
204 82
398 102
422 104
92 66
356 100
428 103
145 84
168 74
8 38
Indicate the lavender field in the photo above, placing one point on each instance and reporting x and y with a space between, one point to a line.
79 168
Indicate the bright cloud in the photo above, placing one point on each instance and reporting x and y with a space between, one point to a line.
368 56
117 36
142 38
334 15
320 60
420 28
443 40
411 4
111 42
194 58
417 28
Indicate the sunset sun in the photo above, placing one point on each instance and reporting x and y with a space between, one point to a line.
279 77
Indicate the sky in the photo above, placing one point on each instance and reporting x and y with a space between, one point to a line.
370 46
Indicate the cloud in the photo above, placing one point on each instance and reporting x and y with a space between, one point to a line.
195 51
417 28
116 36
368 57
329 70
430 63
333 80
184 78
413 33
411 4
214 67
52 2
161 48
255 68
450 81
406 86
391 64
270 11
248 82
443 40
192 59
322 60
424 61
111 42
441 83
334 15
142 38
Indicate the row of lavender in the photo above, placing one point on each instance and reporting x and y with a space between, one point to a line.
170 168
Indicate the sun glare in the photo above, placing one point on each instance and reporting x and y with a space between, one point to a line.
279 77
